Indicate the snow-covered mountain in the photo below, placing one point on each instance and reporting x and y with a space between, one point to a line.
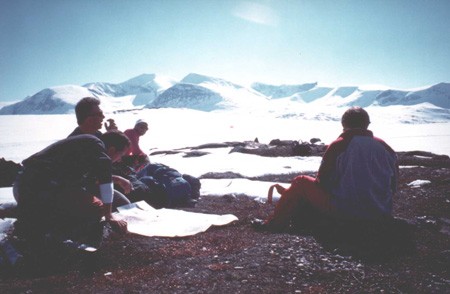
187 96
438 95
145 87
55 100
132 93
207 93
282 91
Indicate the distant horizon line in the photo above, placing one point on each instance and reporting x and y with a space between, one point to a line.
6 101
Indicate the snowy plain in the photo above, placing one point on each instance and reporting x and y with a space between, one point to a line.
405 128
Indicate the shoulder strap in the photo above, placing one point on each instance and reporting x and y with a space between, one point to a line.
280 190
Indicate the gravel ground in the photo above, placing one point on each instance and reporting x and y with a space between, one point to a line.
238 259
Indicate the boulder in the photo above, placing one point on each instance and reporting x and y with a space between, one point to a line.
8 172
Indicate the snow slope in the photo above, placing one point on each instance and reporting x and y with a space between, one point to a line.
175 128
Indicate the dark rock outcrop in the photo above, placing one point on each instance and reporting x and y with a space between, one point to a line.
283 148
8 172
422 158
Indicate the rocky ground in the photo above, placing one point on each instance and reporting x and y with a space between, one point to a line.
238 259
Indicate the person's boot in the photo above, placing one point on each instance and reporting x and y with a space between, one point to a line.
265 226
258 224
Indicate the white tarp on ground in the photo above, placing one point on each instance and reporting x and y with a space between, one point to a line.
147 221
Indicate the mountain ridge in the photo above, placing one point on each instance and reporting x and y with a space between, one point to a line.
207 93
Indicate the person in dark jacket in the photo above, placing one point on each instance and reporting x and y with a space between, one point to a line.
68 186
356 179
90 118
90 121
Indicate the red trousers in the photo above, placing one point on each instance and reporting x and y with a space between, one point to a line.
303 190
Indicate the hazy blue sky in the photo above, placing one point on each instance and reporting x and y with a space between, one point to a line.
397 43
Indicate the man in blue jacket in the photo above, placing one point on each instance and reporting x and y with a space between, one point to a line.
356 179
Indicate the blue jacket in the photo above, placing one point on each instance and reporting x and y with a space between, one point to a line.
360 172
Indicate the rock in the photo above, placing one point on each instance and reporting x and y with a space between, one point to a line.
281 148
419 183
166 152
195 153
8 210
278 142
422 158
302 149
224 175
8 172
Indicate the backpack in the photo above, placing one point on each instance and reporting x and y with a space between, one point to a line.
145 188
177 189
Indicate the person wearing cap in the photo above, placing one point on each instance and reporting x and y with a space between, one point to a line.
356 179
140 158
57 189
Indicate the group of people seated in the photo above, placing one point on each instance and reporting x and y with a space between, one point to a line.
66 189
70 186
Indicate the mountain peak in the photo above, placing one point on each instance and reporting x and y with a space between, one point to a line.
194 78
140 80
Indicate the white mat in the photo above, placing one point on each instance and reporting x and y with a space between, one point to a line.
145 220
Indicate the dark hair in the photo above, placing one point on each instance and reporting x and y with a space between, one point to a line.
115 139
84 107
355 118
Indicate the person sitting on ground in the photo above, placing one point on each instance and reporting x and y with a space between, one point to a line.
90 120
356 179
157 184
136 158
57 189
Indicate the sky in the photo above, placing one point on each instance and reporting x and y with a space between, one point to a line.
397 43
